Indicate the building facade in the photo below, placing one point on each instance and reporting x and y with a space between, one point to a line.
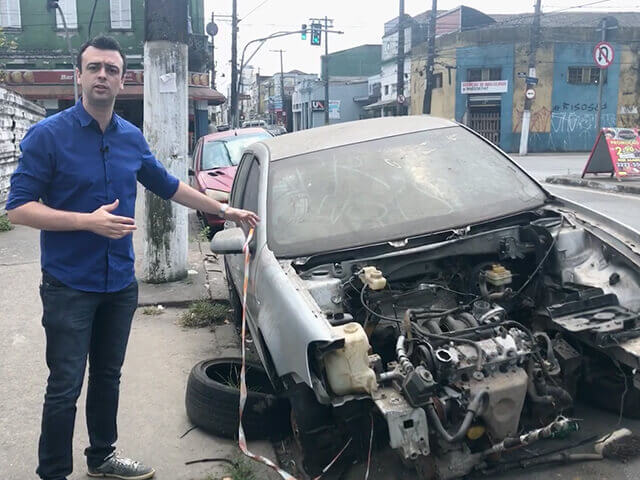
41 67
416 30
480 80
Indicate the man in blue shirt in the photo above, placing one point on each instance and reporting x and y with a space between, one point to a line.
76 182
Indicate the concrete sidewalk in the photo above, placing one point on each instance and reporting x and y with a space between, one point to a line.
600 182
152 418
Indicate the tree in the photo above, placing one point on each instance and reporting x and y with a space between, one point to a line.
5 46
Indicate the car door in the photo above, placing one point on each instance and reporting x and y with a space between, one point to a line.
244 194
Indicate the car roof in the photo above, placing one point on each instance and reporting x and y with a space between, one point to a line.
347 133
236 132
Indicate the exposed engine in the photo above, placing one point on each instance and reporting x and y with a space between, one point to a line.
451 342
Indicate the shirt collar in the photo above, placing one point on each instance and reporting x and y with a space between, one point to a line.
85 119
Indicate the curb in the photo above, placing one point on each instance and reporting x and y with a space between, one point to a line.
594 184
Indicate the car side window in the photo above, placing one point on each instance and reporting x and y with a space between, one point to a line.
195 155
237 190
250 195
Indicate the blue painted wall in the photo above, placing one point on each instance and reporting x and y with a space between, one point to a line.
489 56
574 107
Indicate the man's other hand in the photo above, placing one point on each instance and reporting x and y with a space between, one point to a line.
102 222
241 216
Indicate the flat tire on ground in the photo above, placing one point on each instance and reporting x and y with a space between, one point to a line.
213 395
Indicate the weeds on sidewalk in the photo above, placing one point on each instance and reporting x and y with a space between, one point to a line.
205 233
203 313
5 224
241 469
153 310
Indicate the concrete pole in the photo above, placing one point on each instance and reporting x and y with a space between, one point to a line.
603 26
234 65
400 64
431 47
326 70
166 129
533 47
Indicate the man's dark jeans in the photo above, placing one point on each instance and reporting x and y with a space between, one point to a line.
80 324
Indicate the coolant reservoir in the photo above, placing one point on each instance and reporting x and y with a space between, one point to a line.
372 277
348 367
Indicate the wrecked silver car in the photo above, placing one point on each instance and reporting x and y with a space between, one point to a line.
408 275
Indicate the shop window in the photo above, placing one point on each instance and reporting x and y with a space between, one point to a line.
70 11
585 76
121 14
10 14
484 74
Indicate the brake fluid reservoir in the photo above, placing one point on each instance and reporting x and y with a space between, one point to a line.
372 277
348 367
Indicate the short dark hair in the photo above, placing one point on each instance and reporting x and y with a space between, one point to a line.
102 42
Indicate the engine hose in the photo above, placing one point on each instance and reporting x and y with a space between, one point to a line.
551 357
472 411
561 394
405 364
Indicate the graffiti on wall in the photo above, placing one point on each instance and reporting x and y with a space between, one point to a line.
539 121
578 107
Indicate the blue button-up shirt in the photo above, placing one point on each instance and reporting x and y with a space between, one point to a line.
70 164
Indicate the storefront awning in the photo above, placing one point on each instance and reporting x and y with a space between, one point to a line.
58 85
130 92
384 103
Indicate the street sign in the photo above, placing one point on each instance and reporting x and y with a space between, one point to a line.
616 151
603 54
532 81
401 99
530 94
212 29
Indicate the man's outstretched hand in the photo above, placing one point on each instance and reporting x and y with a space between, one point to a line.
102 222
241 216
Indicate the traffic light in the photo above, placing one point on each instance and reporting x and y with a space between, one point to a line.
303 29
316 34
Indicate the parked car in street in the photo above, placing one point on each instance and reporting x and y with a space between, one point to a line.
214 162
409 281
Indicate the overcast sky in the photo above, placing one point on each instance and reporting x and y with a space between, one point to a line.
361 20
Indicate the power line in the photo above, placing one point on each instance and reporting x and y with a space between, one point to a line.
251 11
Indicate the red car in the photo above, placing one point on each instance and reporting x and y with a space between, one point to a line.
214 163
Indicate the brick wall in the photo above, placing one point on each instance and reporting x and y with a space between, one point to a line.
16 116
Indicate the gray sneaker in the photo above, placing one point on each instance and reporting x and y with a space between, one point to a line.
123 468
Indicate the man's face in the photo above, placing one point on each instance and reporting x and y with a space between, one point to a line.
101 77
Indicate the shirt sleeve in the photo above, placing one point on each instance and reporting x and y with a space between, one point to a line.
154 176
36 167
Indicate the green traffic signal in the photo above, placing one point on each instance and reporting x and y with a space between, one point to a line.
304 31
316 34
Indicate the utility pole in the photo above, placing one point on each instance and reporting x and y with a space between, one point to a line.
606 24
431 51
400 67
213 52
234 64
326 69
328 23
533 47
281 77
52 4
165 127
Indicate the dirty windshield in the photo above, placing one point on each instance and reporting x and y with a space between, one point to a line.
390 189
227 152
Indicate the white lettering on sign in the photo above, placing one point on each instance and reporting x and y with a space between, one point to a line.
491 86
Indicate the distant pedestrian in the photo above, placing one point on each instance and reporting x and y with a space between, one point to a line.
76 181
